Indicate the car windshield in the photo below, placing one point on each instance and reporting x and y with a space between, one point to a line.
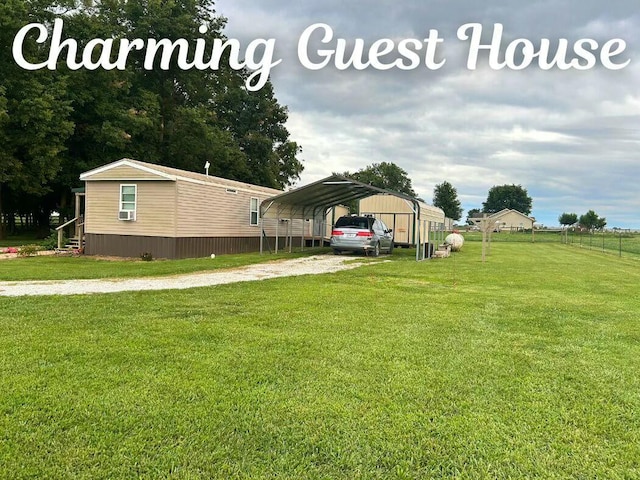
354 222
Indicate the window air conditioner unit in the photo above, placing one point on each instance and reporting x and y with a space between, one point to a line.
126 215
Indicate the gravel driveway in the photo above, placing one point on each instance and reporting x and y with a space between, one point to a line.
313 265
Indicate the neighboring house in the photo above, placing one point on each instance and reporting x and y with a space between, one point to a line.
507 219
398 214
133 207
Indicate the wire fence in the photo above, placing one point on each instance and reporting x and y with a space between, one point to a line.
619 242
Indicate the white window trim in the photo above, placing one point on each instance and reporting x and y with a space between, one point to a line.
135 200
256 211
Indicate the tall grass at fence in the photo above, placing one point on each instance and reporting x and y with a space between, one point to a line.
617 242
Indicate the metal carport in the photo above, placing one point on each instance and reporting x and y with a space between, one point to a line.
314 201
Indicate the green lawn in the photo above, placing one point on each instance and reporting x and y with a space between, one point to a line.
18 240
54 267
525 366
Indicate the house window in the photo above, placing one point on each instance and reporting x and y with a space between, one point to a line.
253 211
128 198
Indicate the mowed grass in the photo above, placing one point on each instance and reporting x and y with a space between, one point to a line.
527 366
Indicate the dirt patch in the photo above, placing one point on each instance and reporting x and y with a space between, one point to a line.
11 256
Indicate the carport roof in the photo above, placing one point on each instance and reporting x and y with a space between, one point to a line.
315 198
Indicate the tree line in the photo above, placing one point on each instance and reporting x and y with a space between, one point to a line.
589 221
57 124
390 176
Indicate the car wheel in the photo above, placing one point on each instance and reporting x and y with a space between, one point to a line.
337 252
376 250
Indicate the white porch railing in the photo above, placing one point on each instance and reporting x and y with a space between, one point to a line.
79 228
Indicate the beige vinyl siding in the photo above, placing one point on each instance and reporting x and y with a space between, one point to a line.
210 211
391 204
384 204
155 212
307 227
514 220
125 173
284 228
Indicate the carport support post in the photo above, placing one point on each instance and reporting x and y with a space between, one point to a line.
261 233
483 223
319 226
417 238
416 234
394 226
324 229
289 245
313 230
277 226
290 227
302 231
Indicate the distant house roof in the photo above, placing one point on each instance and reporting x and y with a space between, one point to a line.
477 218
151 171
507 211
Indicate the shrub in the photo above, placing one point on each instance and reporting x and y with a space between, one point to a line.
29 250
51 242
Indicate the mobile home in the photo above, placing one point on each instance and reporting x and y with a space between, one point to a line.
133 207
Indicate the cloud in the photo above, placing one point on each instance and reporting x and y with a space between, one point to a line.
570 137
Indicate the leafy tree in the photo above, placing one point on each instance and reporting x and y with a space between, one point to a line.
386 175
507 196
56 124
591 221
6 161
184 118
34 123
257 123
568 219
445 196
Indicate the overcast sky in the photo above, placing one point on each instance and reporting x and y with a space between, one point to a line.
571 138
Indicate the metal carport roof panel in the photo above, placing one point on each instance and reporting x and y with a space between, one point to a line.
320 195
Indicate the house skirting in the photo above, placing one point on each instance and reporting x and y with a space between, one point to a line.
171 247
